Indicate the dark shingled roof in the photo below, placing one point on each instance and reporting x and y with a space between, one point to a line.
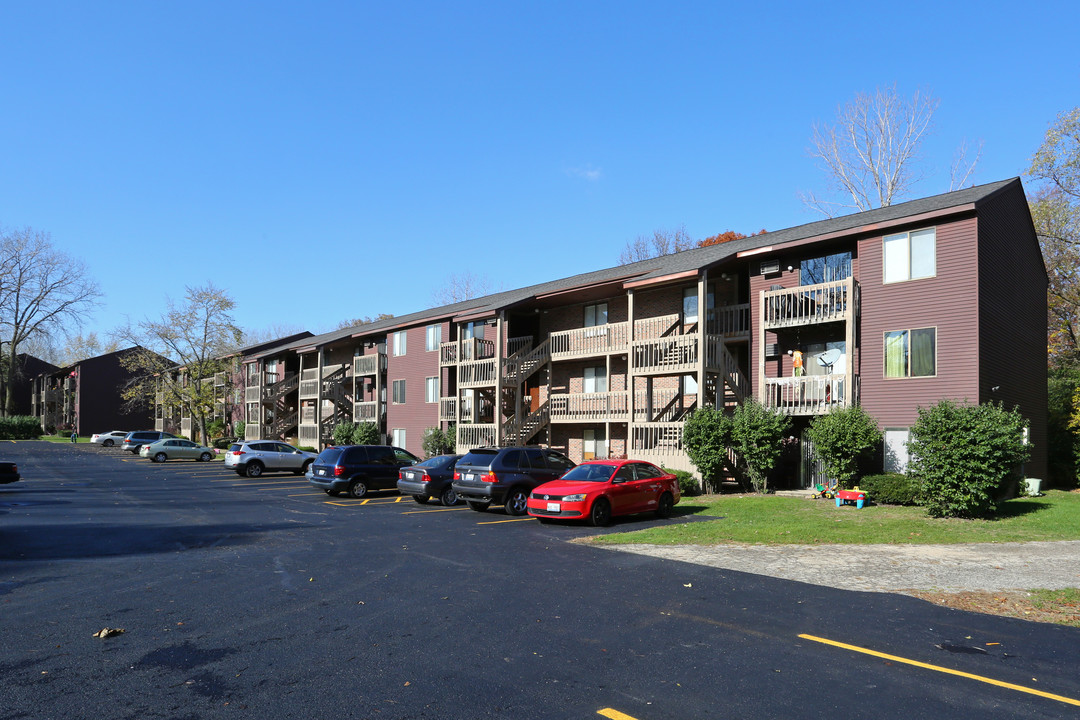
686 261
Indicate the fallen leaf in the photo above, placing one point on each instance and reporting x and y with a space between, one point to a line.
688 585
108 632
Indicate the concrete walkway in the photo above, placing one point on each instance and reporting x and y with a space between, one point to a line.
893 568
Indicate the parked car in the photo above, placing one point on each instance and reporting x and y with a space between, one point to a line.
136 439
356 469
9 472
598 490
254 457
108 439
431 478
176 449
506 476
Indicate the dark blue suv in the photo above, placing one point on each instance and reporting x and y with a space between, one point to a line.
506 476
355 469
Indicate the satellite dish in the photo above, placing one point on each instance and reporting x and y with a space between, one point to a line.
829 357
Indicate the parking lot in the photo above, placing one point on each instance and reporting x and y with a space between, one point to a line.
266 598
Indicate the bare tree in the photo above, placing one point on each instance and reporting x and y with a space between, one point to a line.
42 291
871 154
80 347
365 320
460 287
661 242
198 335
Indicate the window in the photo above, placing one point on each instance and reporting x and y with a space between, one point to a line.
911 353
399 392
474 330
595 443
431 390
689 385
690 302
399 343
433 337
397 436
910 255
596 315
825 269
595 379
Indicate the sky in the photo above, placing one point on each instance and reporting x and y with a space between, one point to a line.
323 161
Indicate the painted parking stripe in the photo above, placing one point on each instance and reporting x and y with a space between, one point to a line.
938 668
498 522
434 510
614 714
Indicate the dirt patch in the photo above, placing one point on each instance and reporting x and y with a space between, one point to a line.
1008 603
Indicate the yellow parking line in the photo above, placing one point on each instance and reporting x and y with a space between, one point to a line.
496 522
938 668
287 487
434 510
613 714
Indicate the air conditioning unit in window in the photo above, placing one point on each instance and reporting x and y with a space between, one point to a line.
770 267
772 350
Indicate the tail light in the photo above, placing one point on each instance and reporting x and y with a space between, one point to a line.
339 470
489 477
457 475
237 453
400 476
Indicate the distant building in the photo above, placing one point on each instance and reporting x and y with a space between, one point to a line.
27 368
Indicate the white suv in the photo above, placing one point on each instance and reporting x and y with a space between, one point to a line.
255 457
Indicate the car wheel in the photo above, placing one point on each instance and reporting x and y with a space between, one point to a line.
422 499
254 469
357 489
517 502
478 505
448 497
108 443
600 513
160 457
205 457
666 505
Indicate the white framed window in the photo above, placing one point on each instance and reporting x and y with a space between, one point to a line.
399 392
690 302
689 385
397 437
909 255
595 379
399 343
595 443
433 337
431 390
596 314
911 353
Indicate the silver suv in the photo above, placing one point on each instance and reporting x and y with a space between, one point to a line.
255 457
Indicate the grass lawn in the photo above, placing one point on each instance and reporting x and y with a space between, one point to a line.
775 520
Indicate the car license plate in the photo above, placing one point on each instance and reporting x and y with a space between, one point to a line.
553 507
470 477
322 472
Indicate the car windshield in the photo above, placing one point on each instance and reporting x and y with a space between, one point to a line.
591 473
478 458
436 463
329 456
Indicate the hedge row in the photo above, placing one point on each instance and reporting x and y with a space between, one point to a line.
20 427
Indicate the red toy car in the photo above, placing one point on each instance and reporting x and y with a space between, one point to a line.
601 489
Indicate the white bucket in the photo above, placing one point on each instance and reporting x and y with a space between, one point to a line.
1033 485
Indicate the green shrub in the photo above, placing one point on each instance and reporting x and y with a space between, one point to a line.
437 442
756 435
366 433
964 455
343 433
706 437
215 428
238 427
21 427
891 489
841 439
307 448
688 484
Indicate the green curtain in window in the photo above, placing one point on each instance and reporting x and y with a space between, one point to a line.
923 352
896 354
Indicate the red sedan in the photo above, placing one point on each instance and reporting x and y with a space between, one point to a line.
600 489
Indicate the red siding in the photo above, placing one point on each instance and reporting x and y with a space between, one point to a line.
418 363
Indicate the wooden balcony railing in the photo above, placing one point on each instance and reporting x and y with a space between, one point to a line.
664 439
447 409
477 373
590 341
590 407
253 431
670 354
309 383
655 327
458 351
368 364
366 412
308 435
810 304
729 320
474 435
810 394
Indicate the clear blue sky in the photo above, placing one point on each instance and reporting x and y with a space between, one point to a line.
324 161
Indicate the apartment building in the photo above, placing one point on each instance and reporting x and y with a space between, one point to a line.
893 309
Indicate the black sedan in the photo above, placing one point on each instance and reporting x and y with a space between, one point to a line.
9 472
430 479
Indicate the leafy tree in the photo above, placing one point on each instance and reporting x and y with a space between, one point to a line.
343 433
1063 438
963 455
726 236
871 154
197 334
1055 210
756 435
841 438
366 320
437 442
42 291
706 437
366 433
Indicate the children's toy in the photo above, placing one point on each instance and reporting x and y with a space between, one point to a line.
854 497
827 491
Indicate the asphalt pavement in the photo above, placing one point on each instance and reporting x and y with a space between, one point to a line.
263 598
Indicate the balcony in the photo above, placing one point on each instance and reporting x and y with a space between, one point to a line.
253 431
366 412
474 436
309 383
308 435
810 304
729 321
590 407
448 409
810 394
590 341
368 364
458 351
478 373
